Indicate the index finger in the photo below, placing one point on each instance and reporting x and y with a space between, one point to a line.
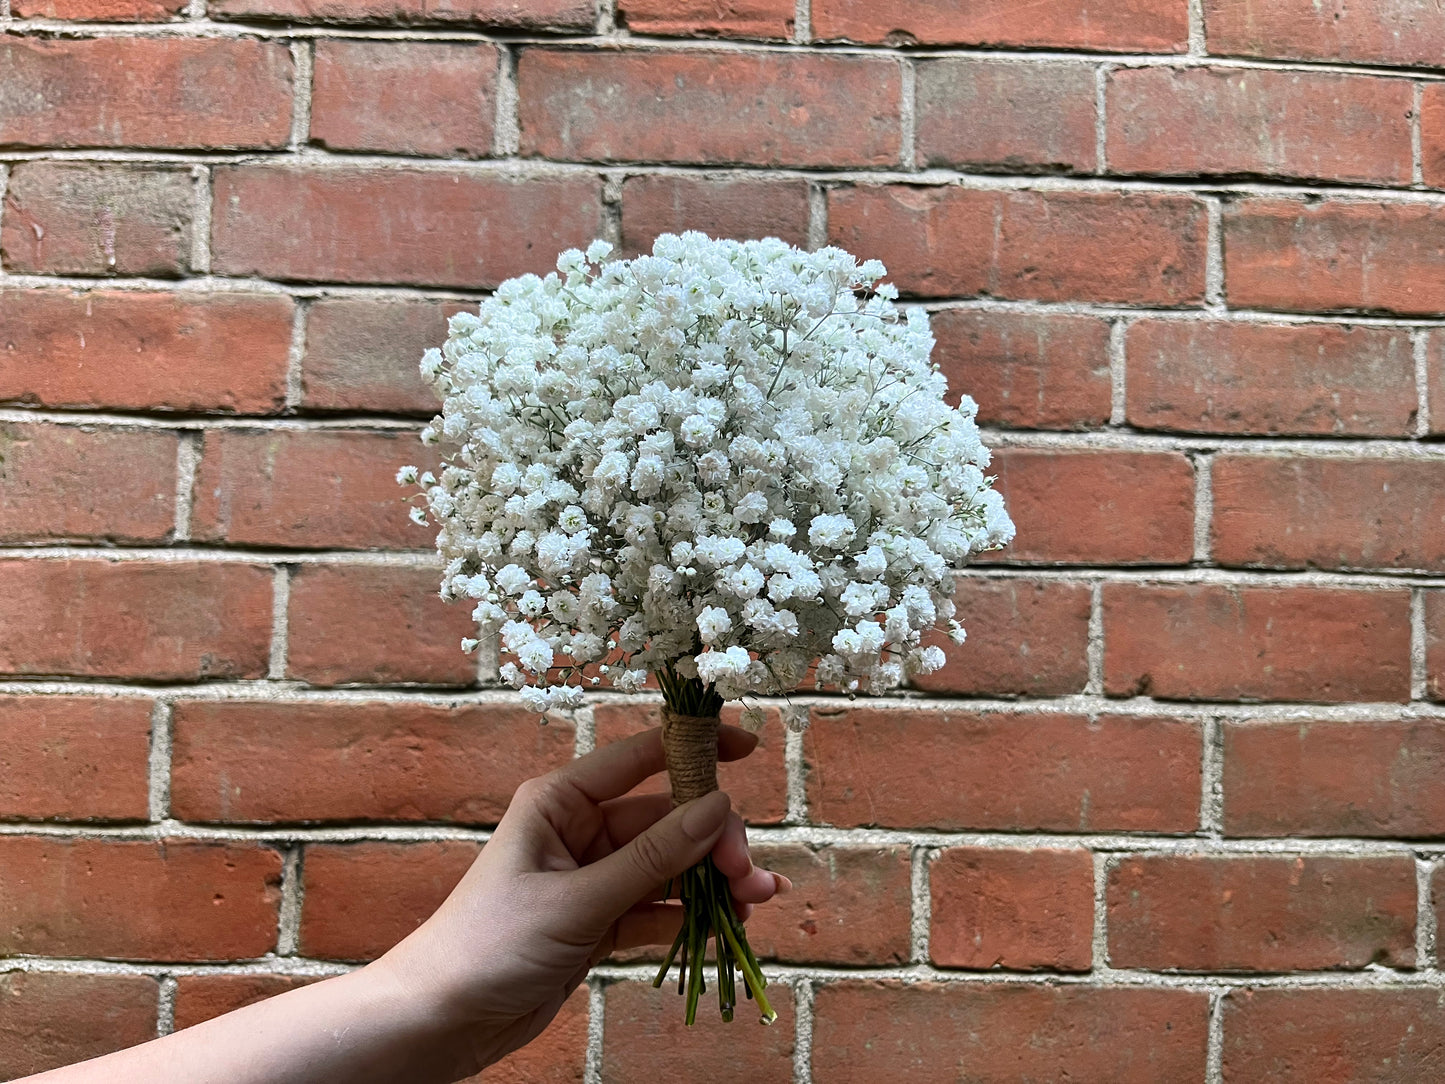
615 768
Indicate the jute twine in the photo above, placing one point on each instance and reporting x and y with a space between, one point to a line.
690 744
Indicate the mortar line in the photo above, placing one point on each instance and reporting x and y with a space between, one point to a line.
1420 350
921 912
1094 652
1417 158
1418 670
280 628
1099 941
5 167
908 115
507 123
1203 507
295 354
158 761
612 184
1118 373
802 22
1214 1044
166 1006
584 734
596 1022
489 656
302 61
188 457
803 1031
288 926
201 218
1101 123
817 216
606 23
796 767
1214 281
1211 806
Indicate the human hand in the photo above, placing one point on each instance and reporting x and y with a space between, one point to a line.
573 873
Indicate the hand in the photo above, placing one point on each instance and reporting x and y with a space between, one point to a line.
571 875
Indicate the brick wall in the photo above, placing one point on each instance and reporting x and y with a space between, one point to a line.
1175 812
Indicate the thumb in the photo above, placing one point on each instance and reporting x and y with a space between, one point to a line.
674 844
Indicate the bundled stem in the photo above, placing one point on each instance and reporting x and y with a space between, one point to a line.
689 736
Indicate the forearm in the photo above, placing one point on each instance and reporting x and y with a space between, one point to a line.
360 1027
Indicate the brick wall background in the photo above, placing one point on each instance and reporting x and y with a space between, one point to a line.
1175 813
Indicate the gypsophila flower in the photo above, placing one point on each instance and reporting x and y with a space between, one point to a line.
724 460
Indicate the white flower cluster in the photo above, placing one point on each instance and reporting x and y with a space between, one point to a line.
729 460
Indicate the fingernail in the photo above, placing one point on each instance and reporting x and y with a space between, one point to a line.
784 885
702 819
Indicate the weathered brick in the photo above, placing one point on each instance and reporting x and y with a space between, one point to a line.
405 97
74 757
644 1037
1026 637
49 1019
1435 644
1329 512
144 350
1012 909
502 14
100 11
1392 32
164 93
1003 1033
1137 248
1261 913
1320 255
1226 376
363 354
1005 114
171 899
82 482
1314 1034
362 898
557 1056
203 997
329 489
850 906
1308 125
1221 642
73 218
758 784
1377 778
1432 133
769 19
160 621
257 762
766 109
1026 370
727 207
901 767
375 624
396 226
1096 507
1153 26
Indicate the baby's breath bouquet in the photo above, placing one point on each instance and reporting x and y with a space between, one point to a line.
721 464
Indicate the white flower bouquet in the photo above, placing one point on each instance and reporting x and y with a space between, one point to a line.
722 464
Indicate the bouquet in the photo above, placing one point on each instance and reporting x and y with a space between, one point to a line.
728 465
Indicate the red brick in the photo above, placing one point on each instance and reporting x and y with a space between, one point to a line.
49 1019
257 762
72 218
557 1056
81 482
902 768
362 898
1137 248
1308 125
1432 134
1222 642
1437 896
1335 778
1029 115
1004 1033
766 109
1435 644
771 19
396 226
1012 909
1154 26
1329 512
409 634
502 14
1305 1036
1025 638
850 906
158 92
407 97
329 489
203 997
644 1038
100 11
74 757
1218 376
758 785
727 207
1026 370
166 621
1327 254
363 354
168 899
1391 32
143 350
1265 913
1096 507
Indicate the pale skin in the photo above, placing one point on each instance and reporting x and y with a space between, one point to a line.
574 872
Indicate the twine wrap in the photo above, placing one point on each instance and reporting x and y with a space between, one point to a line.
689 743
